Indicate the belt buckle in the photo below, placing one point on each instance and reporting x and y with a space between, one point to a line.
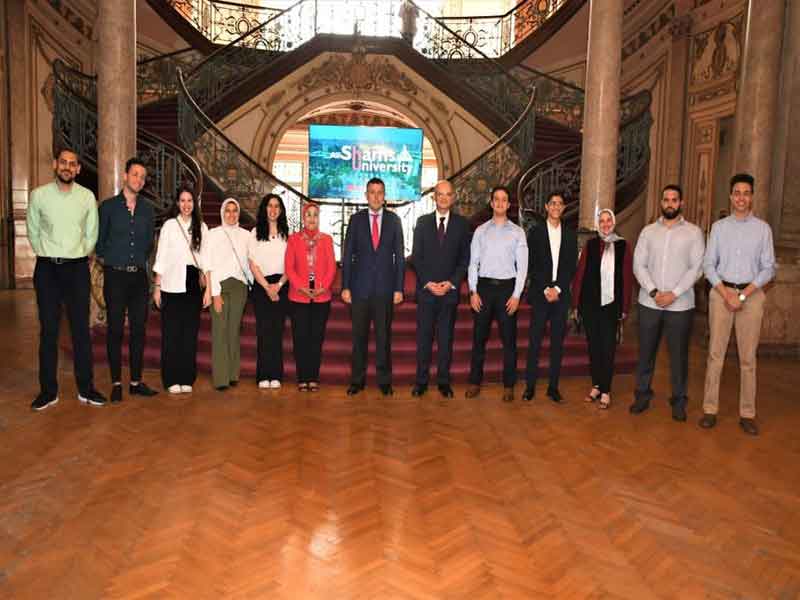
131 269
58 260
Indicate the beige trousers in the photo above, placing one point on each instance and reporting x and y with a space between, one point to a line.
748 330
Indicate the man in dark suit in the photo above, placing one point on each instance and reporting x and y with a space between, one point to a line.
373 266
553 257
441 258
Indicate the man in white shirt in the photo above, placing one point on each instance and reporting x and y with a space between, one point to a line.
667 262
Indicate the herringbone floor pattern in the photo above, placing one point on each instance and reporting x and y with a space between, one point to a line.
287 496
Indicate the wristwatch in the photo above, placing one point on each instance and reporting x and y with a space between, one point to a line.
653 292
742 297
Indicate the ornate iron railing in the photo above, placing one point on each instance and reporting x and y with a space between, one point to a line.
224 22
75 125
227 165
555 99
499 164
220 21
157 76
495 35
562 172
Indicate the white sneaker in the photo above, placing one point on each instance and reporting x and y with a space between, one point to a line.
174 389
264 384
186 389
274 384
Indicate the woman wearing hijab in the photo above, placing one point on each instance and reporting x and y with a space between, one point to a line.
230 279
266 252
180 290
601 291
311 268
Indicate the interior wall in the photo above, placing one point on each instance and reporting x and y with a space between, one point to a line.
39 32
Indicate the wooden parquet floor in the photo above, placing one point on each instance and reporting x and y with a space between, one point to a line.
286 496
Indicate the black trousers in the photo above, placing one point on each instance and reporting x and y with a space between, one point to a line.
270 321
68 284
308 333
125 293
556 313
439 315
494 298
180 322
676 325
600 323
378 310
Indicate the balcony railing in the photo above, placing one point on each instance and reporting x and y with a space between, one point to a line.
224 22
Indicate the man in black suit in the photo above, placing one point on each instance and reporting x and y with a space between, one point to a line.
373 264
553 257
441 258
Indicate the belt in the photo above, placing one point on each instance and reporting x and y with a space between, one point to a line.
492 281
63 261
127 268
738 286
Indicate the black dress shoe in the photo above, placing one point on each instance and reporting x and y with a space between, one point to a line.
555 395
354 389
116 394
140 389
708 421
638 407
386 389
221 388
528 394
419 389
234 383
445 390
748 426
679 411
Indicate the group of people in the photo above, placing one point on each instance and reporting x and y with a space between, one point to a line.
291 274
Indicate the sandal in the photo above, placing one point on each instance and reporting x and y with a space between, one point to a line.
313 386
302 387
591 396
605 401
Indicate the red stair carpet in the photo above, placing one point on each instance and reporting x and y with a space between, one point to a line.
338 346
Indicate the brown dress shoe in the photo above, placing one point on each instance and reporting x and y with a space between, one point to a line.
508 394
472 391
748 426
708 421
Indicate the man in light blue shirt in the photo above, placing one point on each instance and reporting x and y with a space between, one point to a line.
739 262
497 270
667 262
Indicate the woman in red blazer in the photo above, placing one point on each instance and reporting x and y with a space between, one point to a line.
311 269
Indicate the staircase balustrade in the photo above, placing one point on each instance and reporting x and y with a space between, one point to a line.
499 164
494 35
562 172
230 167
75 125
224 22
157 77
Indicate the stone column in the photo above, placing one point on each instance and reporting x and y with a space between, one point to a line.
116 92
756 104
601 110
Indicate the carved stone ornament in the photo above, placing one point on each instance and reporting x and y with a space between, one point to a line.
681 27
356 74
48 92
717 52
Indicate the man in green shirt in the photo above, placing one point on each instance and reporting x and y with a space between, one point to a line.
62 230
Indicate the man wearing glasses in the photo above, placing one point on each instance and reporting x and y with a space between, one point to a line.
739 262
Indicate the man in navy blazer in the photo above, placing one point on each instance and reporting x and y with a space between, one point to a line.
553 258
373 266
441 258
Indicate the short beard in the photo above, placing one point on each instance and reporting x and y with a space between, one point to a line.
64 181
667 214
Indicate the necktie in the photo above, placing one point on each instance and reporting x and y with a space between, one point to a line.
440 231
376 236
